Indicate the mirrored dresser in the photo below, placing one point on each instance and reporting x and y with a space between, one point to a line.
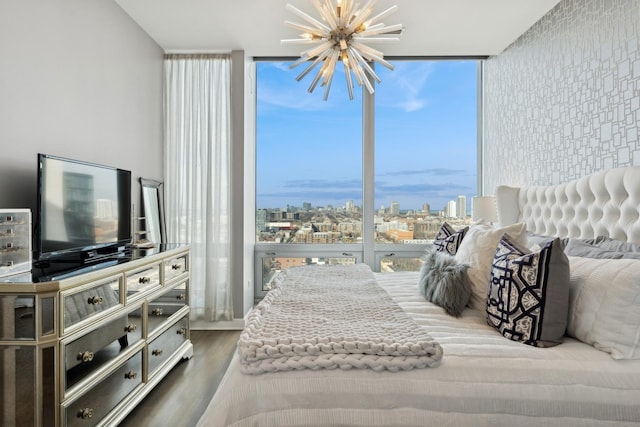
84 349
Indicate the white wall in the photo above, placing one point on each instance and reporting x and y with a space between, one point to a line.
563 101
78 79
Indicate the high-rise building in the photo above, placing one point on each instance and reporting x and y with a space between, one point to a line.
450 209
426 208
261 219
461 207
350 206
394 209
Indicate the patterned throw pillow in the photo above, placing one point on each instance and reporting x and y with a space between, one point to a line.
528 298
448 240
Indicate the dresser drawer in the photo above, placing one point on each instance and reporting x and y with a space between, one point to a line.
166 305
163 347
15 243
85 355
175 267
96 403
142 279
90 301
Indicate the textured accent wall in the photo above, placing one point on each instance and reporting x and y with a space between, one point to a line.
563 100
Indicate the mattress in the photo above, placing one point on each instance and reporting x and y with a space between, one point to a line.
483 380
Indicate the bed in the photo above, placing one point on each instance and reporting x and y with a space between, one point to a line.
466 370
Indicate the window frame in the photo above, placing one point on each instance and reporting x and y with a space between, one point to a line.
369 252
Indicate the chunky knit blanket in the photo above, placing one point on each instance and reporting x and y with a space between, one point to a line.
328 317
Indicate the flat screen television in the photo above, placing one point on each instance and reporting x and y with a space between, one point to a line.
83 211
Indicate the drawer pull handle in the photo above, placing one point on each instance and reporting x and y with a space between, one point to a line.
182 331
131 375
9 218
156 312
157 352
94 300
176 267
144 280
180 297
9 245
9 264
85 413
9 232
130 328
85 356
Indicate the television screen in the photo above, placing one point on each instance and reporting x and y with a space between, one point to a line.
81 207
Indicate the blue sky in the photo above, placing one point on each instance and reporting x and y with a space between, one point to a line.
310 150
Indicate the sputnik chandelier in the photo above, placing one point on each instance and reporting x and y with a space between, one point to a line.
341 35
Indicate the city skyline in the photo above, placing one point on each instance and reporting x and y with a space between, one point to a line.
309 150
350 204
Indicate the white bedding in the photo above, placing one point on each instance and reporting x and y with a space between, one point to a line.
483 380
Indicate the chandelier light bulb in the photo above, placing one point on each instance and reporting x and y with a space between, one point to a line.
341 34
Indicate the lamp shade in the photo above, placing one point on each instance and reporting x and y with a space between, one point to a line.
484 207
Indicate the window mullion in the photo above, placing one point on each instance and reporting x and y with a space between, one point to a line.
368 174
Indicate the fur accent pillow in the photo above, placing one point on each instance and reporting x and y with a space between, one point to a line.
528 298
448 240
444 282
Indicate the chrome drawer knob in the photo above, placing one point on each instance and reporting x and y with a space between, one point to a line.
85 356
180 297
182 331
157 312
131 375
157 352
130 328
94 300
144 280
85 413
176 267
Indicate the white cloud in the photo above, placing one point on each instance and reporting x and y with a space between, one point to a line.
409 79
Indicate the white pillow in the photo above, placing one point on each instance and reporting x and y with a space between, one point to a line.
478 249
604 305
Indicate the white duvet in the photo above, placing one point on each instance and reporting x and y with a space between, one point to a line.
483 380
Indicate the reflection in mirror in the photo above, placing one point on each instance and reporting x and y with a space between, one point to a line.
17 317
48 315
152 210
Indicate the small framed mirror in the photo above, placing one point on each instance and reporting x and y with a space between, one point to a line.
153 211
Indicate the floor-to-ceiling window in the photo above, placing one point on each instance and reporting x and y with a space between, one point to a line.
335 184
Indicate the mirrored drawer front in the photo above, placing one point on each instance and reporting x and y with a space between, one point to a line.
18 234
163 347
175 267
87 354
142 279
165 305
11 217
95 404
81 305
17 317
15 249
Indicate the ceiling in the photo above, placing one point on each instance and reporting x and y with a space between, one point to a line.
431 27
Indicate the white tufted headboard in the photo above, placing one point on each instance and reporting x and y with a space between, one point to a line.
606 203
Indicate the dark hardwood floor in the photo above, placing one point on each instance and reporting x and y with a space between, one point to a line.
183 395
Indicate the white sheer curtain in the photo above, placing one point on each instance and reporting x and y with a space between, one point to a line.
197 175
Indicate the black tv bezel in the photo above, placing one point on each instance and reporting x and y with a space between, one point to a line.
84 254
